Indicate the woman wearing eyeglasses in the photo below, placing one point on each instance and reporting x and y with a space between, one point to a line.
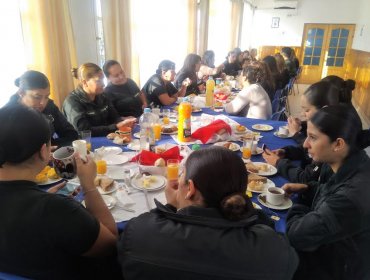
87 109
34 92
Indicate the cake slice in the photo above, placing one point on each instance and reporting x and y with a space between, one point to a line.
256 178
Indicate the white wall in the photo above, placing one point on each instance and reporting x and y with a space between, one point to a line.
309 11
84 30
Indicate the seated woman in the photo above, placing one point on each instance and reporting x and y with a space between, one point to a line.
315 97
189 71
231 64
159 89
207 67
208 230
252 101
44 235
332 233
123 92
87 109
34 92
283 70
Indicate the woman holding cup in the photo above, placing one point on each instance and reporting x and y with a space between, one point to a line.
61 238
206 214
330 227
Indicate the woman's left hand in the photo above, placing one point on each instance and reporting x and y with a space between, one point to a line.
270 157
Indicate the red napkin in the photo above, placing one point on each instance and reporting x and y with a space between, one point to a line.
206 132
149 158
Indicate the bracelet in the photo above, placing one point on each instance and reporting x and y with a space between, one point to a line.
91 190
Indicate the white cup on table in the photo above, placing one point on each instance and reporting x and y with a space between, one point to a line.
81 148
275 196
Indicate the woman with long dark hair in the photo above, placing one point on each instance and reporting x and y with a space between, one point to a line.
189 71
330 228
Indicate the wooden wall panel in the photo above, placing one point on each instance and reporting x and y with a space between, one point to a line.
358 69
271 50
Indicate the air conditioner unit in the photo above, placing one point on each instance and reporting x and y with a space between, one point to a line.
285 4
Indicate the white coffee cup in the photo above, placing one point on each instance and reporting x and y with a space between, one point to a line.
275 196
80 147
283 130
254 147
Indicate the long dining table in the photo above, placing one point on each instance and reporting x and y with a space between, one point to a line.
272 141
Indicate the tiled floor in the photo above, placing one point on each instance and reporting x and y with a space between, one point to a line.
295 103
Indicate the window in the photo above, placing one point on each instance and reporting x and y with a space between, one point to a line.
99 34
313 46
337 47
12 49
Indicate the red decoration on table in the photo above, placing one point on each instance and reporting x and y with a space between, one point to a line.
206 132
148 158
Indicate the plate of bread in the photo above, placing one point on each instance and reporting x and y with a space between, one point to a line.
258 184
239 129
105 184
229 145
150 182
261 168
262 127
169 129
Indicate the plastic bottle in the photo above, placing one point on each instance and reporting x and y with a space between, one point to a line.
184 124
210 87
146 121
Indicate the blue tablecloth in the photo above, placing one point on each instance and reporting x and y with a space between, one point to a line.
269 139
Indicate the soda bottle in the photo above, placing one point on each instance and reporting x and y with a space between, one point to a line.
184 125
210 87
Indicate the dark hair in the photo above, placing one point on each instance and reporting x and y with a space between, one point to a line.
23 131
165 65
107 65
271 63
280 62
254 72
221 177
208 58
32 80
287 51
322 94
345 87
190 61
342 121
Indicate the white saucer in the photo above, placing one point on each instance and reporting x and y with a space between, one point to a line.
115 159
137 135
134 145
285 205
111 190
262 127
160 183
111 150
276 133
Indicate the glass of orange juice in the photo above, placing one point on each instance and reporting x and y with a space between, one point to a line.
166 116
86 135
101 166
173 169
157 128
247 148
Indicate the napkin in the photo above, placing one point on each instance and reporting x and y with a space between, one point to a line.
148 158
206 133
124 199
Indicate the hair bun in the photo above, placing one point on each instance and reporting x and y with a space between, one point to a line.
349 84
236 206
17 82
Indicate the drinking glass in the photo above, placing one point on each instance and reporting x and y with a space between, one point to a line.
101 167
247 148
157 129
86 135
173 169
166 116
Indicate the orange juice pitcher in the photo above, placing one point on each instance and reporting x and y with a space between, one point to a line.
184 125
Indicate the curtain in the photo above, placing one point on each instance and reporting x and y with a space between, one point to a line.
49 44
203 26
193 22
237 7
116 15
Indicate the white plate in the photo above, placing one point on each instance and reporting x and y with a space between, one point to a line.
115 159
111 150
116 172
265 186
271 169
234 147
137 135
285 205
50 181
276 133
262 127
159 183
111 190
134 145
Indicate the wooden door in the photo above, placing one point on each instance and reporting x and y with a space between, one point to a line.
325 49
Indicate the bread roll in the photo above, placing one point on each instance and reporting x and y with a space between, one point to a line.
160 162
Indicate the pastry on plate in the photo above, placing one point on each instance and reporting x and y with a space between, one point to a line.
252 167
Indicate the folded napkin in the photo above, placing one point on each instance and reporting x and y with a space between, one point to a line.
149 158
205 133
124 199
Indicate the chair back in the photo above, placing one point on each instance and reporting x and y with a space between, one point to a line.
279 115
